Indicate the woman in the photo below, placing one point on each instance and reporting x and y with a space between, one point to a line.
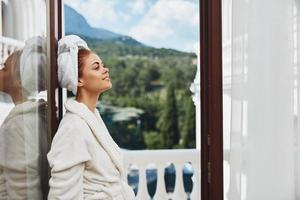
85 161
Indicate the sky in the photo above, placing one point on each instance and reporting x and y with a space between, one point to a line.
158 23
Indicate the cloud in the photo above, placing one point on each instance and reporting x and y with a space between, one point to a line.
98 12
137 6
167 19
158 23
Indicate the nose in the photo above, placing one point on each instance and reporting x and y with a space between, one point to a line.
106 70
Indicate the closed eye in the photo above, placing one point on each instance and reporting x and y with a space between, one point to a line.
96 66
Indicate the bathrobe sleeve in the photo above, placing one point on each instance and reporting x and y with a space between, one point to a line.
67 157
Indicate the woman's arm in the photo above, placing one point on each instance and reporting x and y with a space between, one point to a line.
67 158
67 184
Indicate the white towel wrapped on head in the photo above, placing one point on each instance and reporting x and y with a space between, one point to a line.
67 61
33 64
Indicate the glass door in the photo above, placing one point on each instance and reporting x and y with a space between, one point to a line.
27 58
261 99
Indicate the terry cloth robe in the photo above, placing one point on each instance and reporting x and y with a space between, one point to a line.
85 161
23 148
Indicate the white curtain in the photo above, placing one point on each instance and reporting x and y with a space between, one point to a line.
261 99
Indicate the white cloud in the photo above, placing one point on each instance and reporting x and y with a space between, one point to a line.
98 12
165 23
137 6
124 17
165 18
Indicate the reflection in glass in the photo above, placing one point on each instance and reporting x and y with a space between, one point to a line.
23 136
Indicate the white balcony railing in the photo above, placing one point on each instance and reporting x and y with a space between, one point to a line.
142 159
7 46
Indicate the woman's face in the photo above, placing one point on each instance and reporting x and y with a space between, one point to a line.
8 79
94 77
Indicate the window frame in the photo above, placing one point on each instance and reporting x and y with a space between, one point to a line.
211 100
54 33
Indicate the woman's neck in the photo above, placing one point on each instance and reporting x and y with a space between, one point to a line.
18 96
89 99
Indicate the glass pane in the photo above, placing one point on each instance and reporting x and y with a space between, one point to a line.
23 100
261 99
151 48
152 56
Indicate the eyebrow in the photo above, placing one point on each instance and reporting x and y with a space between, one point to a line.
96 63
99 63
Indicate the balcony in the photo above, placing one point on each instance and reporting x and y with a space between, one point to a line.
159 159
7 46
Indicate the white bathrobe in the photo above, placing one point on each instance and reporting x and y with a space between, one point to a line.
85 161
22 143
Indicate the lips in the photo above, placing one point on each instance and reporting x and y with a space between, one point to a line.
106 77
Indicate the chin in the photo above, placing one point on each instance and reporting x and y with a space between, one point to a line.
106 88
109 85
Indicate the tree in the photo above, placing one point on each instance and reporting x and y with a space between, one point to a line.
167 123
189 127
153 140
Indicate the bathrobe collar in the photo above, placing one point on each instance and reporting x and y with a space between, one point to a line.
96 124
25 107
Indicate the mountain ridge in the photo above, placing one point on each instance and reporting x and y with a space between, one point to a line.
78 25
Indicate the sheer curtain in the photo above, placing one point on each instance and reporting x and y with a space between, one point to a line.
261 99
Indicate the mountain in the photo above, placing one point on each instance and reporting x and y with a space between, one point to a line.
75 23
